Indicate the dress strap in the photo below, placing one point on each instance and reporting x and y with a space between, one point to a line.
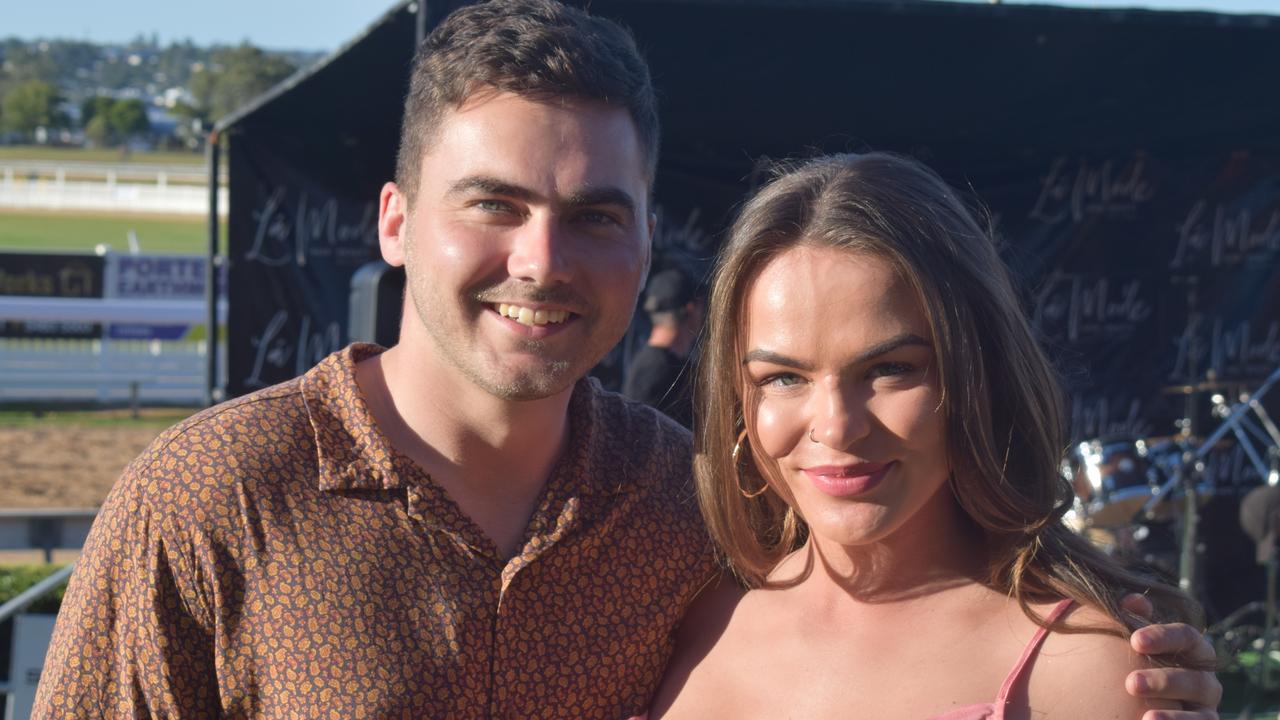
1029 651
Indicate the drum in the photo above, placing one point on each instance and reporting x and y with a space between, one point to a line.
1112 478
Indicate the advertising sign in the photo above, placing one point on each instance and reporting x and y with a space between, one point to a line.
53 275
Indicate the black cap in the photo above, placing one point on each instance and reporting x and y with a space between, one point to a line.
668 291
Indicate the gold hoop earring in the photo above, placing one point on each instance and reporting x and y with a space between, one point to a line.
736 455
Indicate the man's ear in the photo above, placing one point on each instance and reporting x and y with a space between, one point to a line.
393 213
648 250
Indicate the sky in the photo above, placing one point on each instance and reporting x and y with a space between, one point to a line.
322 25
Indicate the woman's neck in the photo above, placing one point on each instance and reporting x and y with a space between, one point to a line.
938 548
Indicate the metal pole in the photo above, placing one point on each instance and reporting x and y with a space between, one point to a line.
1187 561
211 275
420 25
34 593
1269 626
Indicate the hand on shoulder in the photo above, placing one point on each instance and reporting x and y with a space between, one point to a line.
1082 675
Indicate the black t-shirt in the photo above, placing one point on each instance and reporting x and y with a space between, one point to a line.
660 378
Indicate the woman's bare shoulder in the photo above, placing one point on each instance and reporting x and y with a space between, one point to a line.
1083 674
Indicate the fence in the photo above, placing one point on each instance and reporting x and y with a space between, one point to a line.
132 330
28 635
100 186
104 371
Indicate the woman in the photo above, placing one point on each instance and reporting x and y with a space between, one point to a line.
877 459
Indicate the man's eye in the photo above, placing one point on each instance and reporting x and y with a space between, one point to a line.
493 206
597 217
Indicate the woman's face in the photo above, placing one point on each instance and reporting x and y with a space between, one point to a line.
841 358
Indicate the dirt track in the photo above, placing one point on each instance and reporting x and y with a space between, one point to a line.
66 465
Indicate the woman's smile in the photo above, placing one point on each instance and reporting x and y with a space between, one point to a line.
848 480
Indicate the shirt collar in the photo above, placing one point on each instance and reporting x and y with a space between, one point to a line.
354 454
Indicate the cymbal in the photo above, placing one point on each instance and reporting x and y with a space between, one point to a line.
1206 386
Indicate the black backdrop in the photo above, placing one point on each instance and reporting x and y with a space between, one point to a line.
1130 160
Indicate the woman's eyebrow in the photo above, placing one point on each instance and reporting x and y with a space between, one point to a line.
773 358
880 348
893 343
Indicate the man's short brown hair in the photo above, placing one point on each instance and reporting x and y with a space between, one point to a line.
537 49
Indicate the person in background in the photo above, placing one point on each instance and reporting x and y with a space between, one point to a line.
660 373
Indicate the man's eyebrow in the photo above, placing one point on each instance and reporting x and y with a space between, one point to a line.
587 197
875 351
489 186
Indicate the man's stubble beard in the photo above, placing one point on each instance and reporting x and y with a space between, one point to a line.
552 377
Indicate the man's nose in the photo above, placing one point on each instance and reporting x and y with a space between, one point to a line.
840 415
540 252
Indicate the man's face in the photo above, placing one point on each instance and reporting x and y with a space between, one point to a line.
526 243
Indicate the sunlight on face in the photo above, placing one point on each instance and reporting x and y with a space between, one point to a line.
527 241
840 357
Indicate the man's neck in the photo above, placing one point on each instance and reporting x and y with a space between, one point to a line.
491 455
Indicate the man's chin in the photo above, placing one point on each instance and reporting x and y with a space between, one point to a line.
526 384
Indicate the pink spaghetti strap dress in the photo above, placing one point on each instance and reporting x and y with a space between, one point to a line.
993 710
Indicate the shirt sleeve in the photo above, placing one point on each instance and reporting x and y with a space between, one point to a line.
134 637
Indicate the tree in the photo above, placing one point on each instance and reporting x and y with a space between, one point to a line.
93 107
128 118
235 76
107 121
32 104
99 130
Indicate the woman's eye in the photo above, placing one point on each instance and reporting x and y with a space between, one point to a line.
891 369
780 380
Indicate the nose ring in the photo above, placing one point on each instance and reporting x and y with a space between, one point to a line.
812 439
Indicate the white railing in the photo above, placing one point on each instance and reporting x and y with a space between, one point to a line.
34 529
148 172
109 372
109 195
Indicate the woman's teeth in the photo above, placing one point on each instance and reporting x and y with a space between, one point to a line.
531 317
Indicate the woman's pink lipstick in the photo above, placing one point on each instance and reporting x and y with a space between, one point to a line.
847 480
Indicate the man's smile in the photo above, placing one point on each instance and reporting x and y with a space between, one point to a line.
531 316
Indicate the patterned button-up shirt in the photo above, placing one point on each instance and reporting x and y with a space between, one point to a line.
275 557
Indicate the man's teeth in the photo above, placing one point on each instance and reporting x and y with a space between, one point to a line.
528 316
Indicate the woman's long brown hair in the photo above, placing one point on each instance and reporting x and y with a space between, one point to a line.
1003 406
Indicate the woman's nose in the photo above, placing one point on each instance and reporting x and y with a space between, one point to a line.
840 415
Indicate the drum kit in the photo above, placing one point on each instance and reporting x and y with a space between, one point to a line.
1173 506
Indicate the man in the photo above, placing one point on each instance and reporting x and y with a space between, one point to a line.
460 526
660 374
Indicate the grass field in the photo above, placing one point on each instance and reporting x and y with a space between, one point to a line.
158 418
107 155
35 231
